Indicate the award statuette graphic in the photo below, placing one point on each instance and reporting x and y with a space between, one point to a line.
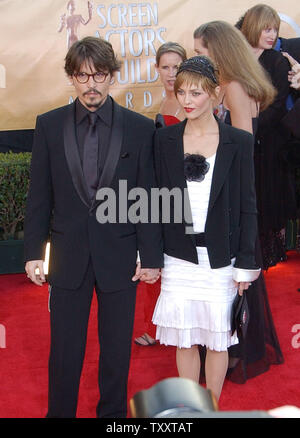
72 21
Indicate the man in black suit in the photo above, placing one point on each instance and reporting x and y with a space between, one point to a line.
78 149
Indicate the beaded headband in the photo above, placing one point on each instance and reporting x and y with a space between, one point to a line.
200 65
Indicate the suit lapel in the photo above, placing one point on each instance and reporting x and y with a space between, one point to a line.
174 159
174 155
224 156
114 149
72 155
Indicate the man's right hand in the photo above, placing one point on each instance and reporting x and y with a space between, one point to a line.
30 268
294 74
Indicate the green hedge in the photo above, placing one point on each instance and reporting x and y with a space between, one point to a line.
14 182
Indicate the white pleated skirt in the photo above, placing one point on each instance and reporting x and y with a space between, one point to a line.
194 305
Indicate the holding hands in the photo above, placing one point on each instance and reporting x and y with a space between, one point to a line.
35 272
148 275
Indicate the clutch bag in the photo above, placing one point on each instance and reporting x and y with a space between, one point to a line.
240 316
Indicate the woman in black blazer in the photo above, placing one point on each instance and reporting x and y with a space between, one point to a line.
210 252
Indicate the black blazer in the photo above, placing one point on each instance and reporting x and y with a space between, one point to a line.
58 205
277 67
231 225
292 46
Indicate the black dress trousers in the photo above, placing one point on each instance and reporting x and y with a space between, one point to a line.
69 315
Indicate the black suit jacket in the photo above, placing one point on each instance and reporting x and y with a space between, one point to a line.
231 225
291 119
58 205
292 46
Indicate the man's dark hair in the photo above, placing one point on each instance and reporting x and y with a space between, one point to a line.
95 51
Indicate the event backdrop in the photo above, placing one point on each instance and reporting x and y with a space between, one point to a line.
35 35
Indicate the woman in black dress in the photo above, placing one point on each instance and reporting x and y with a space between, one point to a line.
276 200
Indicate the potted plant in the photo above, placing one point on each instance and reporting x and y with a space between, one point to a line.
14 183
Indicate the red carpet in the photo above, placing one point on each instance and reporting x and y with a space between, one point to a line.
23 361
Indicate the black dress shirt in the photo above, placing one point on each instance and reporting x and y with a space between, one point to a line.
104 123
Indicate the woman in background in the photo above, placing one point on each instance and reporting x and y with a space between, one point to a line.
244 91
244 87
168 58
276 200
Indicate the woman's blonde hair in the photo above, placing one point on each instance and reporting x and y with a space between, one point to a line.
257 19
170 47
235 60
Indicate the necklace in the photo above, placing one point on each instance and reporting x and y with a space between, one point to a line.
177 112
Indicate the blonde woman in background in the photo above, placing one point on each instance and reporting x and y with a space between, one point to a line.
168 58
245 88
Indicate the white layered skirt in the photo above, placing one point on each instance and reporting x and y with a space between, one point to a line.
194 305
